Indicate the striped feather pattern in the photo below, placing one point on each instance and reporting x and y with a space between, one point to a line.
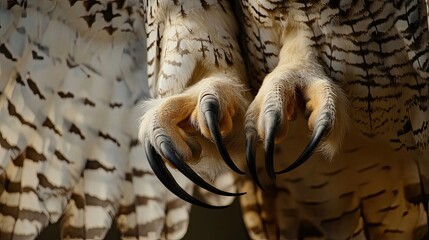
72 76
377 52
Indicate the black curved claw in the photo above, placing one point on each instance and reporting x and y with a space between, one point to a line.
210 108
171 156
309 149
272 121
251 136
161 171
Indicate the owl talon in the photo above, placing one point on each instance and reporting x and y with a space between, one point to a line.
251 136
309 149
167 151
272 121
167 179
210 109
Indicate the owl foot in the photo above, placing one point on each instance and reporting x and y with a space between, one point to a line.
182 129
276 104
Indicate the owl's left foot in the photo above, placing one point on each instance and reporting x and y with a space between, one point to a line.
276 104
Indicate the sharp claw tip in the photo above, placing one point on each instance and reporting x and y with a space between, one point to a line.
241 194
211 118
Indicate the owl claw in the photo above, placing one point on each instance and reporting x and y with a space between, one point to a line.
251 136
167 179
309 149
210 109
171 156
272 121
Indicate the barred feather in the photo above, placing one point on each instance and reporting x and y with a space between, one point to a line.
72 76
377 52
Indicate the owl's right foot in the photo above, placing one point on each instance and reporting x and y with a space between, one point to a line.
196 123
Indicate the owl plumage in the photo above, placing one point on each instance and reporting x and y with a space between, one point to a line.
371 62
347 81
73 74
